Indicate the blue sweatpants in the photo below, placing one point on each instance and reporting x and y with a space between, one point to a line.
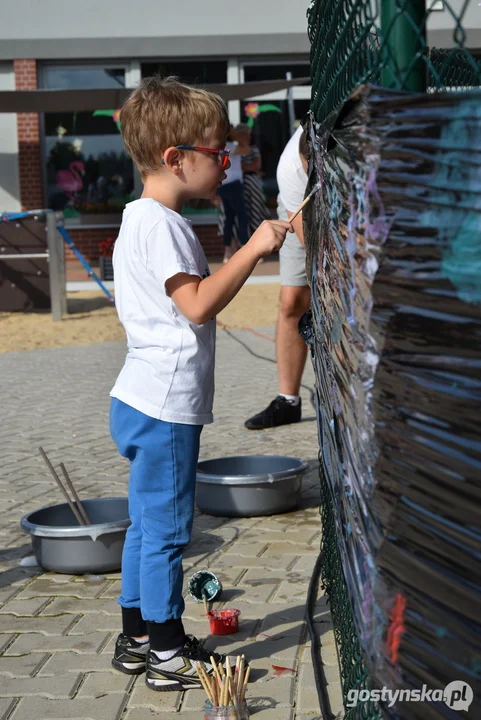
163 460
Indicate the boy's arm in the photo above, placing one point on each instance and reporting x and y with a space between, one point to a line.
200 300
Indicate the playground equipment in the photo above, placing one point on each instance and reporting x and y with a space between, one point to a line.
32 262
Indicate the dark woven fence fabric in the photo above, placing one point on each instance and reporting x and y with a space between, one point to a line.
394 257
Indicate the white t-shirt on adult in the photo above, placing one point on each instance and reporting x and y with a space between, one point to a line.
234 173
291 176
169 369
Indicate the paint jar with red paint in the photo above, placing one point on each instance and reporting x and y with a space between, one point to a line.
224 622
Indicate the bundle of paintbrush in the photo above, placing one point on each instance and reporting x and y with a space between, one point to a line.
225 690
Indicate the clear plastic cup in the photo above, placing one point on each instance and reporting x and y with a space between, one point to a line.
229 712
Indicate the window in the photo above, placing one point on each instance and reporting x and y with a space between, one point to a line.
82 78
270 133
191 72
271 129
88 170
256 73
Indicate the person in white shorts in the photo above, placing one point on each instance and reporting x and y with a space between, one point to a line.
295 296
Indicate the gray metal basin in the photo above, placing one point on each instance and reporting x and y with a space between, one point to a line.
249 485
61 545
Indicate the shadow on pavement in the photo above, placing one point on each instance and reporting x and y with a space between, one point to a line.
262 642
16 573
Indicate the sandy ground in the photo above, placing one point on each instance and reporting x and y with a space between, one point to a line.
92 319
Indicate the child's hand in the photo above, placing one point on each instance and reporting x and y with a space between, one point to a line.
269 237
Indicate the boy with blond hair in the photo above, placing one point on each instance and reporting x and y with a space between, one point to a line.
167 302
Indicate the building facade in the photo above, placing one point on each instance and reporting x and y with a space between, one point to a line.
76 162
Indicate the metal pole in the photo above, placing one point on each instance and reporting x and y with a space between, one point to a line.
24 256
290 105
86 265
403 30
233 78
56 267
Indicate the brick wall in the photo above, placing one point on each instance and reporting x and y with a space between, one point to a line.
212 243
87 241
30 174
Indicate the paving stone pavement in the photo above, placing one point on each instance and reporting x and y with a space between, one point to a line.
57 632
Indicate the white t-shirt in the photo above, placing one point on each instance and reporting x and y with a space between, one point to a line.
291 176
235 171
169 368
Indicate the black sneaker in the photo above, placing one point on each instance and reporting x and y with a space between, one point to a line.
279 412
130 655
179 673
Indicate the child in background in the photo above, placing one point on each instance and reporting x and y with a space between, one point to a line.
167 302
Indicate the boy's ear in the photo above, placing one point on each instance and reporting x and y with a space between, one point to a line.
172 160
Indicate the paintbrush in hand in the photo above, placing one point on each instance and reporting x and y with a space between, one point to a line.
316 187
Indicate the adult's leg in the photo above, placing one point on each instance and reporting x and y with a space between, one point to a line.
255 201
291 350
240 210
221 218
225 193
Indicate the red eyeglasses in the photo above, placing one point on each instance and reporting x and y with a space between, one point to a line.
222 155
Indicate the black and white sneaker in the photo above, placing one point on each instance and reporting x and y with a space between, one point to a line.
279 412
179 673
130 655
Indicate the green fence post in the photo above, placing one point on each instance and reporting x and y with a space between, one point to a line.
403 28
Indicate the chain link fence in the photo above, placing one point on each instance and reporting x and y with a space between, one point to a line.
354 675
383 42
